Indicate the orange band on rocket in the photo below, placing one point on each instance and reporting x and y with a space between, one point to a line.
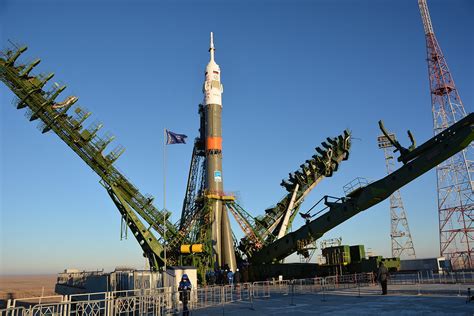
214 143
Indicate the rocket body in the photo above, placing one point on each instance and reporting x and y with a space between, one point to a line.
221 233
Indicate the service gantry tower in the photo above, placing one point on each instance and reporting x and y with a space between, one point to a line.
455 186
402 243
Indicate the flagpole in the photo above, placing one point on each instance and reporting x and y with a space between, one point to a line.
173 139
164 201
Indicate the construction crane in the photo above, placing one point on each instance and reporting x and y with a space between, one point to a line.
417 161
455 175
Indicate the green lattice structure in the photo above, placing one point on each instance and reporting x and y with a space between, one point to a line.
146 221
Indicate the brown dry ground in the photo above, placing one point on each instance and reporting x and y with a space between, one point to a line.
26 285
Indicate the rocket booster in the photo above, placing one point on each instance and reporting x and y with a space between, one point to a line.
221 232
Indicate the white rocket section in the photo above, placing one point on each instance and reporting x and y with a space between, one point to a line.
212 88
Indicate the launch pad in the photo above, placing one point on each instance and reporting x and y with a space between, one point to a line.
203 236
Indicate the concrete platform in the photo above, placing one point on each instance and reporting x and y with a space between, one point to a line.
348 302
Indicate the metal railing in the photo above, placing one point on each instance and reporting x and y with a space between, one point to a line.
428 277
163 301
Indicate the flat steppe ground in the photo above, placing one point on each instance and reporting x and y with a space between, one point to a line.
26 285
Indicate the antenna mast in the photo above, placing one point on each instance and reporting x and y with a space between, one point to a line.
455 175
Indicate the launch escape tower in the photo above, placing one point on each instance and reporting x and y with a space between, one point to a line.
455 175
402 243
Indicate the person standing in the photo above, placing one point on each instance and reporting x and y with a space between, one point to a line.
237 276
184 290
382 276
212 278
230 277
225 279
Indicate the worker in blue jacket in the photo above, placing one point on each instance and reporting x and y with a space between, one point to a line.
184 290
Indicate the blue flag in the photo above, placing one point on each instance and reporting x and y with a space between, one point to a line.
173 138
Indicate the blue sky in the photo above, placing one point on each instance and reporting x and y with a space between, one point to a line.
294 73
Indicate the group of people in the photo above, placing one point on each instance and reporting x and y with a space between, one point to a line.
223 277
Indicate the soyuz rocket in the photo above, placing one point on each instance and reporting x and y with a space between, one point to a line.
223 248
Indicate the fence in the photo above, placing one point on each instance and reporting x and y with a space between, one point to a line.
428 277
164 301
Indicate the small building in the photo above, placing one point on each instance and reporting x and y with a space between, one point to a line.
73 281
436 265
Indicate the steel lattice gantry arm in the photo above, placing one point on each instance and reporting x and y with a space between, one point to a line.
152 249
89 146
248 225
324 163
194 187
193 202
417 162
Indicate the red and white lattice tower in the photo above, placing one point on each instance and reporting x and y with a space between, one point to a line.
455 185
